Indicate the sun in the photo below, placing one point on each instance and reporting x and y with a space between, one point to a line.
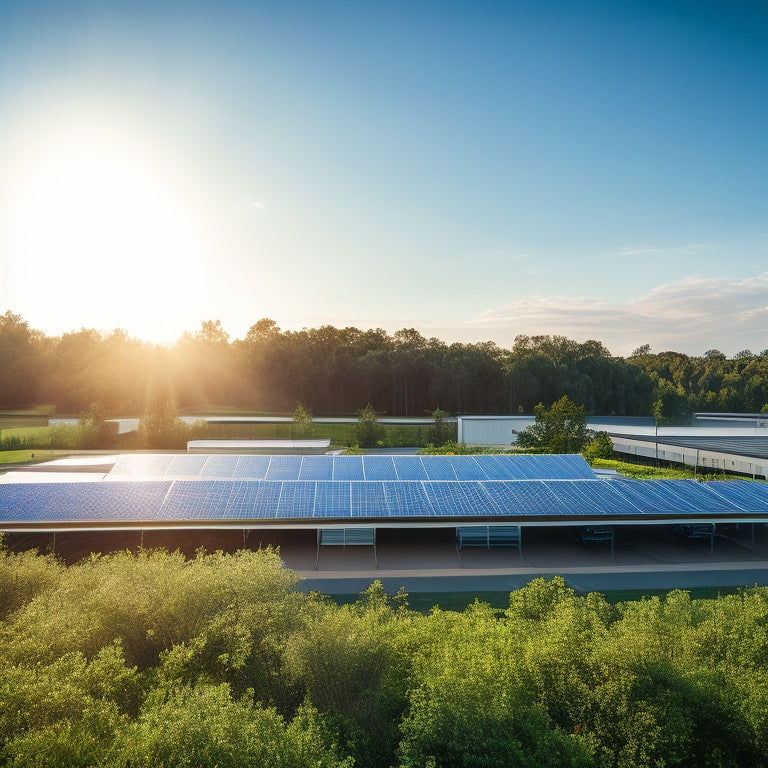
100 234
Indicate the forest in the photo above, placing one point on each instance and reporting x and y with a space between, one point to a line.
335 371
230 664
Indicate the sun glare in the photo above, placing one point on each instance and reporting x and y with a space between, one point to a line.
99 234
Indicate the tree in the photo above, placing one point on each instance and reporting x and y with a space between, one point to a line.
440 432
600 447
302 422
561 429
643 349
368 431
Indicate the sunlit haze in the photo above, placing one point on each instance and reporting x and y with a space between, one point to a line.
473 170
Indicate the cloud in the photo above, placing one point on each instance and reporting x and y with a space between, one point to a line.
683 250
690 315
256 204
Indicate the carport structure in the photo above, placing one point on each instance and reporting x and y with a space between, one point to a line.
488 500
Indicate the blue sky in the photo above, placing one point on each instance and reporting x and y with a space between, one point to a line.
474 170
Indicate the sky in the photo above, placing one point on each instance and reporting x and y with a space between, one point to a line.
475 170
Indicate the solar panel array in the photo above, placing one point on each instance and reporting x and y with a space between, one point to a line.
352 468
229 501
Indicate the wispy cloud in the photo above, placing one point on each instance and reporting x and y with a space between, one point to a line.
645 250
689 315
256 204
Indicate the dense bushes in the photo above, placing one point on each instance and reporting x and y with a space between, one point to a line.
156 660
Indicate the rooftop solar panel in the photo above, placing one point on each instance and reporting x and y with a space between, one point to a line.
283 468
140 465
80 502
333 500
379 468
220 466
348 468
749 497
588 498
407 498
197 500
316 468
438 468
466 468
254 499
251 467
368 500
186 465
525 497
410 468
297 500
460 499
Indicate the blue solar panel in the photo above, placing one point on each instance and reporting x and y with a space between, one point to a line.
251 467
219 466
81 502
333 500
750 497
186 465
460 499
379 468
348 468
525 497
466 468
368 500
595 497
140 465
197 500
408 498
316 468
297 500
438 468
498 467
410 468
254 499
283 468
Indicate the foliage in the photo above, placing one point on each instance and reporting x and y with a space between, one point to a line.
160 426
152 659
368 431
302 422
599 447
559 429
440 432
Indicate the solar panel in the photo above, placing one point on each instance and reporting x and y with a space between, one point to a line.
368 500
466 468
348 468
251 467
407 498
460 499
197 500
186 465
410 468
592 497
316 468
220 466
283 468
297 500
81 502
140 465
333 500
749 497
438 468
254 499
379 468
525 497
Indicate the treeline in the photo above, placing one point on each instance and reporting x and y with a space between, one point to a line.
339 370
151 659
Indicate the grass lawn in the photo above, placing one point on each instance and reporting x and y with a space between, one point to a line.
26 457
